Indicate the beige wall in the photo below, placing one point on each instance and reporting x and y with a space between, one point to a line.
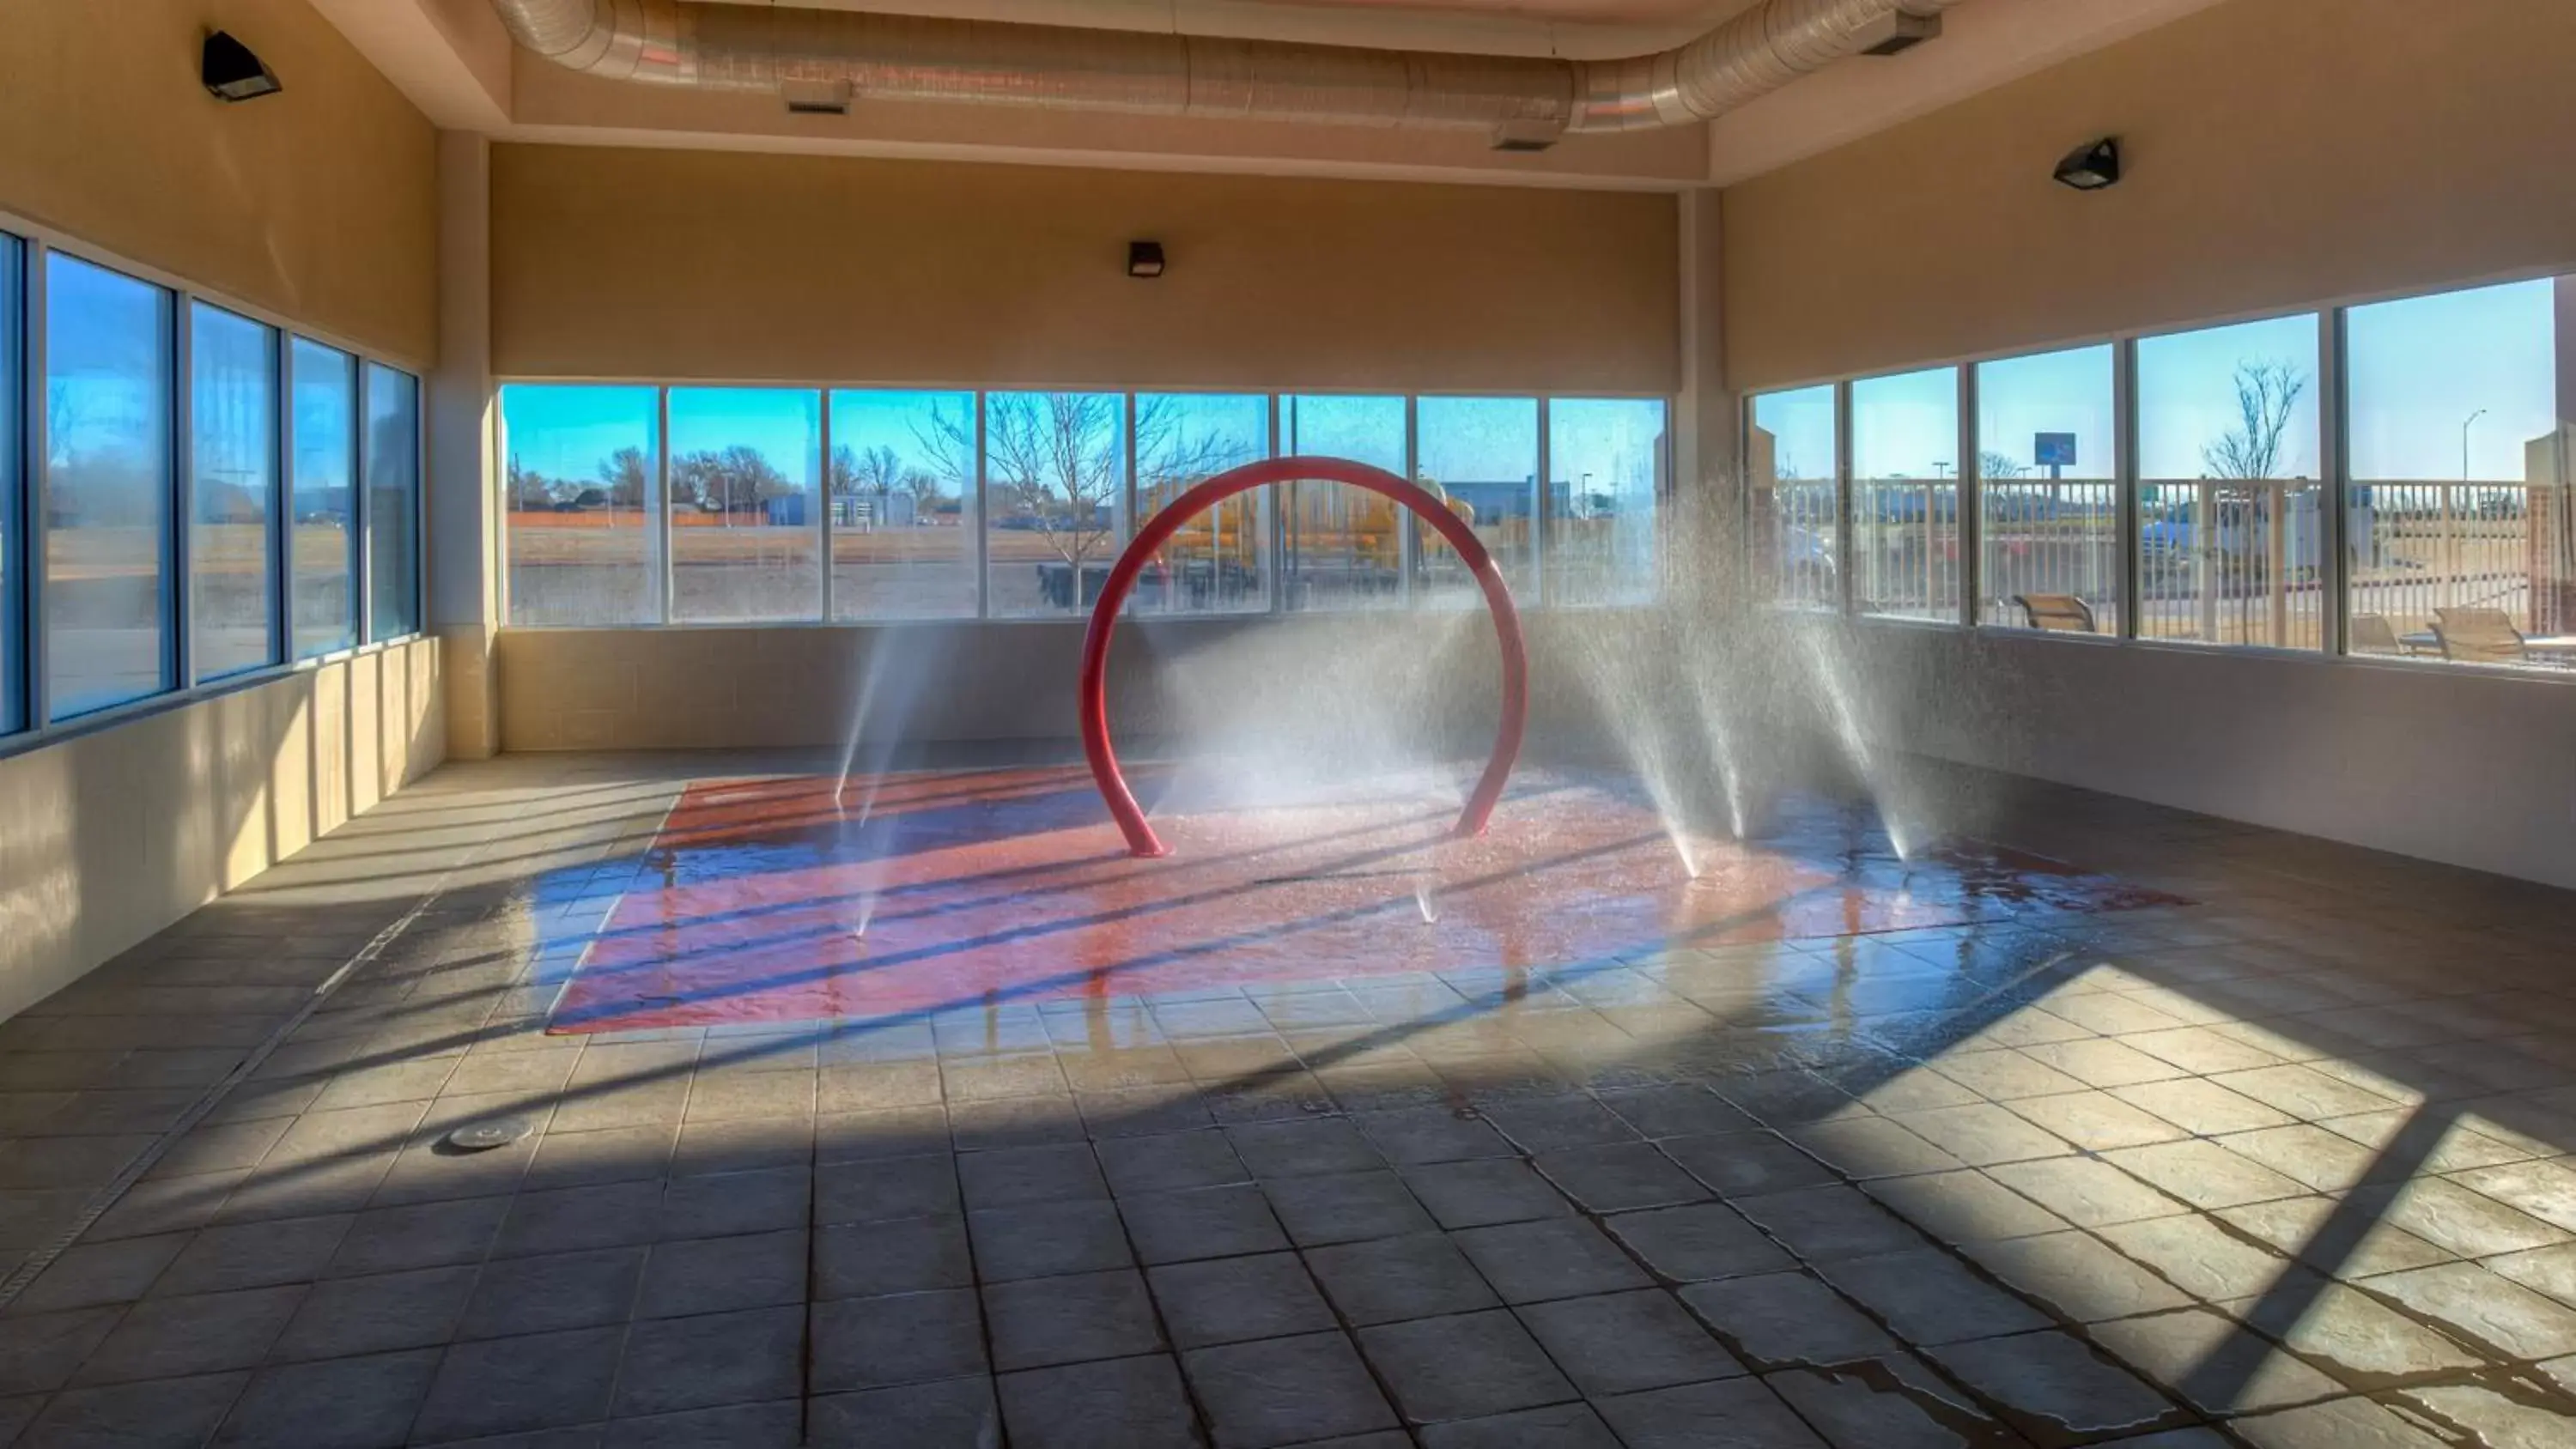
319 203
114 834
678 264
2279 153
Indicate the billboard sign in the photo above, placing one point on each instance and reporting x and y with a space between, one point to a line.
2053 450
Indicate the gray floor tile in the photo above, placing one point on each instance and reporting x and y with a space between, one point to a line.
1345 1207
1126 1403
1928 1296
512 1385
1302 1148
1044 1239
908 1338
1886 1404
1619 1178
378 1313
1170 1162
163 1338
2056 1389
1483 1191
165 1414
1783 1320
1621 1343
1232 1300
1559 1426
716 1358
1471 1366
724 1204
775 1425
951 1414
1015 1175
1738 1413
341 1403
92 1273
1822 1224
422 1235
557 1291
1047 1321
1208 1222
254 1255
914 1255
718 1275
1698 1242
1389 1279
1286 1391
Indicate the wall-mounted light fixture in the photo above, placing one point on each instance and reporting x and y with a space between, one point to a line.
1144 259
2091 166
816 97
232 72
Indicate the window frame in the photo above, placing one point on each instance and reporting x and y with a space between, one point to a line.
1412 598
2333 466
24 609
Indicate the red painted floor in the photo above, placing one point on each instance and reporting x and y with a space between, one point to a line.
771 900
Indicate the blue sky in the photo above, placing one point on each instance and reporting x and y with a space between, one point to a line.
2419 367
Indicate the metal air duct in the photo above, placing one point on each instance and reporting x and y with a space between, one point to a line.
1522 103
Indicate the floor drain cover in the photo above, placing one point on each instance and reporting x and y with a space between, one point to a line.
484 1136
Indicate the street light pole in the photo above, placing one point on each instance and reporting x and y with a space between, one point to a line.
2464 441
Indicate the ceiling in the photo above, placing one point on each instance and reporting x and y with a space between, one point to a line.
455 61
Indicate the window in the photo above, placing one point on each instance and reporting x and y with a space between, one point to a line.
13 627
1480 454
2230 539
324 554
1218 562
1055 471
232 412
1791 461
1905 495
2048 510
746 541
107 497
903 505
1345 546
2459 538
581 491
393 503
1606 461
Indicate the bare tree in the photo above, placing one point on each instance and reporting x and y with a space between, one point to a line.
1991 465
2266 394
625 475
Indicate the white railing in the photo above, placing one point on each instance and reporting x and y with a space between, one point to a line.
2418 546
2043 536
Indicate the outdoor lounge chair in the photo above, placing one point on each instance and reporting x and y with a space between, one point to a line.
2479 636
2062 613
2373 634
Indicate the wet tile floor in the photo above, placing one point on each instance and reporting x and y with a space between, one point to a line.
2285 1166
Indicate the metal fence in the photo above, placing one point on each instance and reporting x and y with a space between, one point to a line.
2231 561
1905 547
2417 547
2049 537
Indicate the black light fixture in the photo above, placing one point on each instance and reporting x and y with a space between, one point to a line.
1144 259
232 72
2091 166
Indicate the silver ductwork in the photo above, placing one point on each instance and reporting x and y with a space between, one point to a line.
1521 103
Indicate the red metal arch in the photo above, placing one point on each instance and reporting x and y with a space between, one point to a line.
1159 529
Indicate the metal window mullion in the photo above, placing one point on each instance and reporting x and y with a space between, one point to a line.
1542 488
983 517
823 498
178 591
1846 556
281 500
2334 484
1123 525
1971 503
2124 472
1408 542
362 509
34 486
1274 552
663 582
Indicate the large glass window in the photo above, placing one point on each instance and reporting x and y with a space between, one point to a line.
2459 538
393 503
1905 495
324 552
232 412
13 633
1606 460
746 541
1791 461
2230 540
1217 562
2048 509
107 493
1055 470
1344 546
582 492
1480 455
903 505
